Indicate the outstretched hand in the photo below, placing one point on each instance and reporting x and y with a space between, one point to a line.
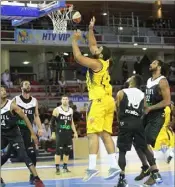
77 35
92 23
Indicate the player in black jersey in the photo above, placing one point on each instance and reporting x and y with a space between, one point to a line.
130 109
29 105
11 135
157 98
62 117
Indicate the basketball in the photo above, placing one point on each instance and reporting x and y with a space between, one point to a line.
76 17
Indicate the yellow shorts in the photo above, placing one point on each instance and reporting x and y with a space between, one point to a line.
100 115
165 138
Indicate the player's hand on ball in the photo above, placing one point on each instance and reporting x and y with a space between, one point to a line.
40 132
75 135
77 35
34 138
92 23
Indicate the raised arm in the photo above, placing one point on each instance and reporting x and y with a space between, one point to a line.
92 41
93 64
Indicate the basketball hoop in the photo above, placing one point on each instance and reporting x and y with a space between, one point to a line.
60 17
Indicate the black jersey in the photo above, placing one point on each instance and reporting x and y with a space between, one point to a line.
63 119
8 119
28 106
152 93
132 104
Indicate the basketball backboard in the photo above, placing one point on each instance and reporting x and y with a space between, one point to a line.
21 13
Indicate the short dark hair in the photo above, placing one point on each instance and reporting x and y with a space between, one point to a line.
138 80
160 63
106 52
64 96
22 82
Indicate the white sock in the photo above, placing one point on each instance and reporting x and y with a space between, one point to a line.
112 160
170 152
92 161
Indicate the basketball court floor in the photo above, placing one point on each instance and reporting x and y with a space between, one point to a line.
16 175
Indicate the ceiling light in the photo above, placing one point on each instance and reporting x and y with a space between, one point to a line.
120 28
105 14
26 62
66 54
135 44
134 72
144 48
86 54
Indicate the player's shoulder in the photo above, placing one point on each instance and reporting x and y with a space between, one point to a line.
71 110
34 98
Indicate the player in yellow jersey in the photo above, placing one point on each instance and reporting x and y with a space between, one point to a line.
101 110
165 140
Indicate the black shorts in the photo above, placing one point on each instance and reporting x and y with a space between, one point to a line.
26 135
131 132
153 124
13 139
63 139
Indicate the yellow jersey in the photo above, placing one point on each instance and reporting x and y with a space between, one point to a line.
167 111
98 83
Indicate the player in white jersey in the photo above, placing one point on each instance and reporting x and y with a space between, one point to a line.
29 105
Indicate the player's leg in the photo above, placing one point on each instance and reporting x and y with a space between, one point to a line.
18 144
59 149
95 120
4 157
66 153
124 143
145 165
170 151
151 136
107 138
30 149
140 144
4 144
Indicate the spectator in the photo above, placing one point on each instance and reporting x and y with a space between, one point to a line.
62 85
45 140
125 71
76 115
6 79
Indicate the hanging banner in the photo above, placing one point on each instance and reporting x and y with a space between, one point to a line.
30 36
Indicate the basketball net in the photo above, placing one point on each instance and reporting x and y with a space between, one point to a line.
59 19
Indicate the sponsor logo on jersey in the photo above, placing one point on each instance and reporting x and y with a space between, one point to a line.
132 112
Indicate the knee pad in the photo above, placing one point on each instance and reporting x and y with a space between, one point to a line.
59 150
31 151
67 150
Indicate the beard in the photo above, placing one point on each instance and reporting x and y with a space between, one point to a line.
152 70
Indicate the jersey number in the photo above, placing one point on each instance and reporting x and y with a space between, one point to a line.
65 122
147 98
